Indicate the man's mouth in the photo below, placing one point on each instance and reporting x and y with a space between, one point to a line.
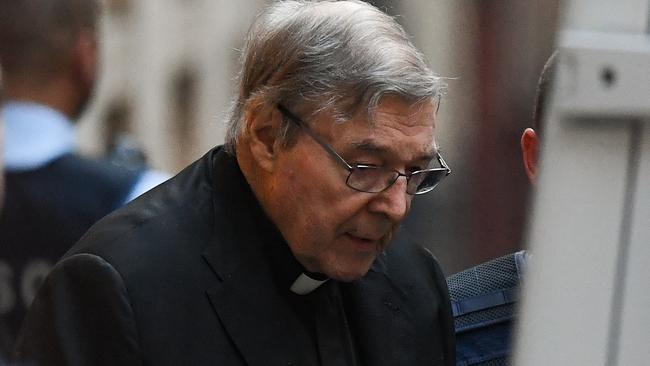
365 243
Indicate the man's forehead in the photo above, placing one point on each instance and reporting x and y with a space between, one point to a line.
396 128
426 150
407 114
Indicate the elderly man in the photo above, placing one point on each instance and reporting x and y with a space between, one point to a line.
48 55
282 247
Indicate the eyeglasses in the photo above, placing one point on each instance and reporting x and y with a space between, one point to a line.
375 179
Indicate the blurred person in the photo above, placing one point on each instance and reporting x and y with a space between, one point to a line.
274 249
484 297
2 175
48 57
5 343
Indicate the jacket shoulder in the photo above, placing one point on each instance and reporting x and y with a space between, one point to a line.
176 212
102 321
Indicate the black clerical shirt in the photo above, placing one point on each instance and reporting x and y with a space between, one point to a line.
321 312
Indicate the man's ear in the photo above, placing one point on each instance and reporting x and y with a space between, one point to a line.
262 129
85 53
530 151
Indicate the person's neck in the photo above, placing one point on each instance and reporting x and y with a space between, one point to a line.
57 95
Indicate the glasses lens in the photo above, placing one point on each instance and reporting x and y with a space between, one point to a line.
425 181
370 178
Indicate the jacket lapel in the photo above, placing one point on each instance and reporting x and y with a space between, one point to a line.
379 315
249 304
257 320
396 321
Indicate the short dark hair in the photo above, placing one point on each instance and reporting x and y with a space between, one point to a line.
544 87
35 34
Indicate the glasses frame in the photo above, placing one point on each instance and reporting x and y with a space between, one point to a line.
300 123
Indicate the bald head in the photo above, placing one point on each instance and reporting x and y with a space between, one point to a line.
544 85
530 139
36 36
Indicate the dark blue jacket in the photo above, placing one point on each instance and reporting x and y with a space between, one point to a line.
483 300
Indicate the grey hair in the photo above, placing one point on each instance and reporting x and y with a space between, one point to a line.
335 56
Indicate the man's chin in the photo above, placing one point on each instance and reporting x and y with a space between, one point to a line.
348 277
349 273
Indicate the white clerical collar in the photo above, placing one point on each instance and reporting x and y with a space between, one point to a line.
305 284
34 135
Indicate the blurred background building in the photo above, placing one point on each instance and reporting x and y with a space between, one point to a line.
168 77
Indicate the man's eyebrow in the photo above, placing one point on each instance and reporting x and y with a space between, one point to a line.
369 146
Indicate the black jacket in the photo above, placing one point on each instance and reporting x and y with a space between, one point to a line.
178 277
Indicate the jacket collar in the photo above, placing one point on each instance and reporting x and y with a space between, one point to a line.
397 318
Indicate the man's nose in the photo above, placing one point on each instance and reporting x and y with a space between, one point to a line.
394 202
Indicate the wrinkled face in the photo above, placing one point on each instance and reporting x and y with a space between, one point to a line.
331 228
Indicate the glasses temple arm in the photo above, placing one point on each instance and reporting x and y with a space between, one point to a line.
444 164
293 118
